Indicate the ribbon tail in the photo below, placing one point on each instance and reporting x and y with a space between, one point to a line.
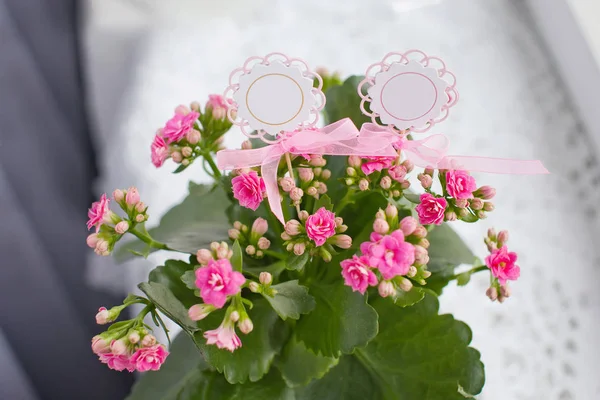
493 165
268 170
232 159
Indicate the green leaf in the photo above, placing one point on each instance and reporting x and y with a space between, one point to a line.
191 225
412 197
299 366
463 279
168 304
186 376
295 262
324 201
344 102
291 300
341 321
445 244
413 296
417 354
189 279
170 275
259 347
237 258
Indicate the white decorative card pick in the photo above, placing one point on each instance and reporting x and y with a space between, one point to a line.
409 91
274 94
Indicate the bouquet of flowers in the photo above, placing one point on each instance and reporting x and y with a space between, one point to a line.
340 301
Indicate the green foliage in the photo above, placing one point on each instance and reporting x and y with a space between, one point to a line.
291 300
341 321
295 262
405 299
168 304
299 365
344 102
237 257
191 225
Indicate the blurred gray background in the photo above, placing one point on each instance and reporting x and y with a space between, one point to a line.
85 84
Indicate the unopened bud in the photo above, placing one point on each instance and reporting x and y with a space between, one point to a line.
321 188
246 326
408 225
92 240
100 345
342 241
325 254
381 226
317 161
505 291
306 174
391 211
312 191
492 293
380 214
386 182
118 347
193 137
421 255
176 157
287 184
132 197
488 206
491 234
420 231
223 251
451 216
233 234
250 250
299 249
485 192
363 184
118 195
412 271
285 236
195 106
349 182
326 174
405 284
426 181
254 287
148 340
121 227
101 247
409 165
428 171
265 278
247 145
424 243
303 215
502 238
386 288
426 274
204 256
461 203
134 337
350 171
237 225
476 203
140 207
296 194
186 151
354 161
342 228
182 110
481 214
102 317
260 226
292 227
263 243
234 316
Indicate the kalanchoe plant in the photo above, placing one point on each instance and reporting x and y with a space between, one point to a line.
338 303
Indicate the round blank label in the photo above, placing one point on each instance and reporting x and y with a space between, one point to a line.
408 96
274 99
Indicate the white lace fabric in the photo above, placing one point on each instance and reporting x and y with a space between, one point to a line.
541 343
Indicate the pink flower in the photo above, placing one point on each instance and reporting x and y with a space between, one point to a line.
431 209
376 164
149 358
502 264
357 274
320 226
248 188
117 362
392 255
159 151
217 280
224 337
97 212
460 184
176 128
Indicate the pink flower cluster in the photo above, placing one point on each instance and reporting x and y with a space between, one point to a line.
143 355
98 212
217 281
179 125
502 264
249 189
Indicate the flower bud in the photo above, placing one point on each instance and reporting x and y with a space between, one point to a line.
233 234
193 137
246 145
204 256
250 250
363 184
421 255
296 194
92 240
488 206
428 171
409 165
292 227
234 316
461 203
246 326
485 192
140 207
386 182
285 236
426 274
381 226
265 278
176 157
424 243
325 255
354 161
391 211
349 181
451 216
380 214
502 238
263 243
408 225
260 226
287 184
481 214
223 251
342 241
253 286
134 337
186 151
492 293
386 288
195 106
132 197
317 161
312 191
118 195
491 246
303 215
321 187
317 171
122 227
244 228
350 171
505 291
420 231
100 345
405 284
491 234
326 174
476 203
404 185
299 249
306 174
148 340
426 181
102 317
118 347
182 110
101 247
412 271
341 228
259 254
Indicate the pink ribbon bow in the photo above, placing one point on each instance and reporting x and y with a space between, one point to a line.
341 138
431 152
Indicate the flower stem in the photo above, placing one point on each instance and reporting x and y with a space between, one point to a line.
344 202
291 169
471 271
148 240
213 166
274 254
